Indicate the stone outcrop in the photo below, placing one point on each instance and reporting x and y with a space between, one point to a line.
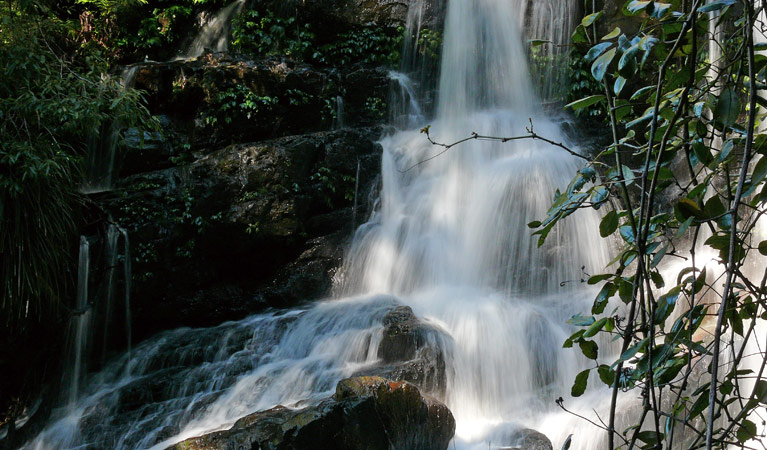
365 413
413 351
245 227
219 99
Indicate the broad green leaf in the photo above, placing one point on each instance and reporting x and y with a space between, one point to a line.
620 82
581 381
606 375
609 224
595 328
613 34
590 349
580 321
591 18
716 5
599 68
727 108
596 50
636 6
747 431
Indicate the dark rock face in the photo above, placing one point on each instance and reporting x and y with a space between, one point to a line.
365 413
219 99
245 227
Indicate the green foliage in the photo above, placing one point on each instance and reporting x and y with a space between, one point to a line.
430 43
235 103
688 131
49 106
262 33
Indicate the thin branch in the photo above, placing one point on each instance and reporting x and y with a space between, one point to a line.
531 134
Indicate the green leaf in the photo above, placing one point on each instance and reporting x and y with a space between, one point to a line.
595 328
649 437
607 291
606 375
590 349
599 278
633 350
688 208
591 18
538 42
581 381
636 6
585 102
609 224
580 321
763 248
727 108
666 304
596 50
627 233
613 34
599 68
746 431
716 5
620 82
760 171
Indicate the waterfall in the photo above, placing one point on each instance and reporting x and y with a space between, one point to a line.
449 239
404 110
78 328
552 21
338 119
215 33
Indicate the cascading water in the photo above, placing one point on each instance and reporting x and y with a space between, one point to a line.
215 33
449 240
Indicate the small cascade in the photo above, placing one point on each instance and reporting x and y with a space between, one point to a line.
552 21
127 277
78 328
100 159
97 328
128 76
404 110
419 64
338 118
115 322
215 33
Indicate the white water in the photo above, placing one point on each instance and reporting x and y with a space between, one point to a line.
215 33
449 239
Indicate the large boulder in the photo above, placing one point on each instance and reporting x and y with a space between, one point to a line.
365 413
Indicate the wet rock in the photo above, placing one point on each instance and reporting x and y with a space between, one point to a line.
365 413
403 335
245 227
527 439
411 350
218 99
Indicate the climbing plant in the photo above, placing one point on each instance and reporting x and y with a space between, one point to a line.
686 172
681 309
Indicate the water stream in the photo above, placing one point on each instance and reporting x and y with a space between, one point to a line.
449 239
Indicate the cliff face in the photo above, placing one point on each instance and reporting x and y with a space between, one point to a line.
263 167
